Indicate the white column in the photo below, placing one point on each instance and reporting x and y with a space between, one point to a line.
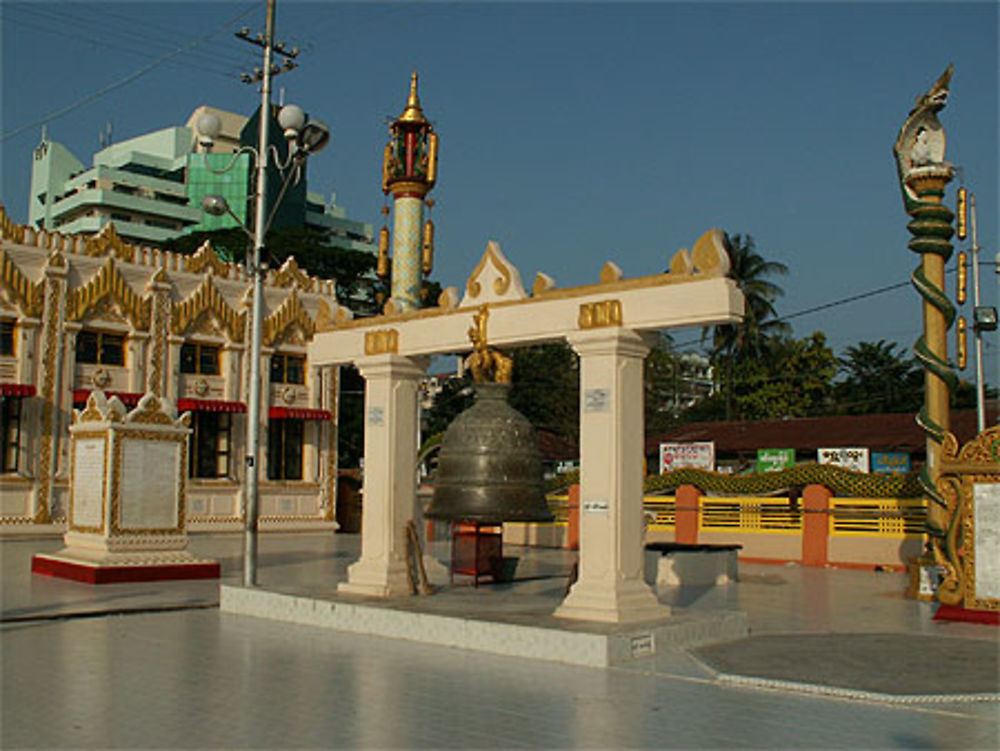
610 586
390 474
264 424
138 345
173 367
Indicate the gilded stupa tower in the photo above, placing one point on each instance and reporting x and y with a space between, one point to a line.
409 170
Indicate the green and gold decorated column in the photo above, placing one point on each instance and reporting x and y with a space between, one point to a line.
924 174
409 171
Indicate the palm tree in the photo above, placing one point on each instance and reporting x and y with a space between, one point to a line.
733 341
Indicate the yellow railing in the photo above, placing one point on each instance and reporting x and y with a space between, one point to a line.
559 506
771 515
878 517
661 510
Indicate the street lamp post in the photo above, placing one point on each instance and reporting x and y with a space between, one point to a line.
305 138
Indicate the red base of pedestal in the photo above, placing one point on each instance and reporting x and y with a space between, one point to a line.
95 574
958 613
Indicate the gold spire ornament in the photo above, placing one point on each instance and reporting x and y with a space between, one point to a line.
413 113
409 172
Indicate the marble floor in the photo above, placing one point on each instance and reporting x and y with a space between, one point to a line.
155 665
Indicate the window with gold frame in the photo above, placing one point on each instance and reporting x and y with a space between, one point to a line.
8 330
10 433
97 347
286 368
201 359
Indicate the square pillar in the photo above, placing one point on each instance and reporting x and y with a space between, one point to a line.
815 525
610 586
390 474
687 502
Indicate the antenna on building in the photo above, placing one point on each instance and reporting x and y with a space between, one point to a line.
104 135
281 97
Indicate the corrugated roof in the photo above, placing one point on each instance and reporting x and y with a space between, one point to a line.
889 432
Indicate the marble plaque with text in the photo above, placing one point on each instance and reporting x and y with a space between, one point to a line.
149 491
986 519
88 483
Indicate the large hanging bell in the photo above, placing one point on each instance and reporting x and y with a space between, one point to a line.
489 466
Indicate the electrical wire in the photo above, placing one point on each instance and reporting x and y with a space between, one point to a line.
215 70
832 304
124 81
136 30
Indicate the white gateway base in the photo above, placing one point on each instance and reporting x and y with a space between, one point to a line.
537 637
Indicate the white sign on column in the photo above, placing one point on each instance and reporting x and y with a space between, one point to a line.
389 490
610 586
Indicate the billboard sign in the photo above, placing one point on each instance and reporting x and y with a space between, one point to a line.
771 460
700 455
848 458
890 462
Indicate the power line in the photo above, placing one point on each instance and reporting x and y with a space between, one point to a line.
216 70
834 303
98 36
127 80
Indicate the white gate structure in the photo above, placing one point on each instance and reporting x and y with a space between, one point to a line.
608 325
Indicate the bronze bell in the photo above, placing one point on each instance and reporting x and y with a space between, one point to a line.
489 466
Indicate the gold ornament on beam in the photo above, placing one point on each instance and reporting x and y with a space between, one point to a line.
962 278
963 343
487 365
382 266
427 248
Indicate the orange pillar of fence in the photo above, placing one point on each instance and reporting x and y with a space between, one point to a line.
688 505
573 527
815 524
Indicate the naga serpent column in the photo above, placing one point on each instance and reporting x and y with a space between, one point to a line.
923 175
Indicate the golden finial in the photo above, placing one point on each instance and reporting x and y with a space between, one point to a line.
413 113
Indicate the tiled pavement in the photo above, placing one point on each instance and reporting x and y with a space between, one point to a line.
202 679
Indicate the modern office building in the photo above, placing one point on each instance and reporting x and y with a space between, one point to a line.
151 187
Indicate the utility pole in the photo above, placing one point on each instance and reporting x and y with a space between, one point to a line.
977 323
264 75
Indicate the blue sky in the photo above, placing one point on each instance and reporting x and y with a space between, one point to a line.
574 133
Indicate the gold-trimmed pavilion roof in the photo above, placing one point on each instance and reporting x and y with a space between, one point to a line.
292 313
207 298
206 259
108 283
108 243
24 293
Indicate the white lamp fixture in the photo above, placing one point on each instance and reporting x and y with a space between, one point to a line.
208 126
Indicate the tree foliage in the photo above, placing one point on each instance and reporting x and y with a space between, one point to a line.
546 387
752 274
792 378
455 396
732 343
877 378
350 268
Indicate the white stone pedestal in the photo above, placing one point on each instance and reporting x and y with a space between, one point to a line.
390 471
610 586
127 497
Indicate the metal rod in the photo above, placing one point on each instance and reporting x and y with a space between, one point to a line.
980 385
257 315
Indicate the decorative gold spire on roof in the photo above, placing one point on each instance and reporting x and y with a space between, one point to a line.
413 113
